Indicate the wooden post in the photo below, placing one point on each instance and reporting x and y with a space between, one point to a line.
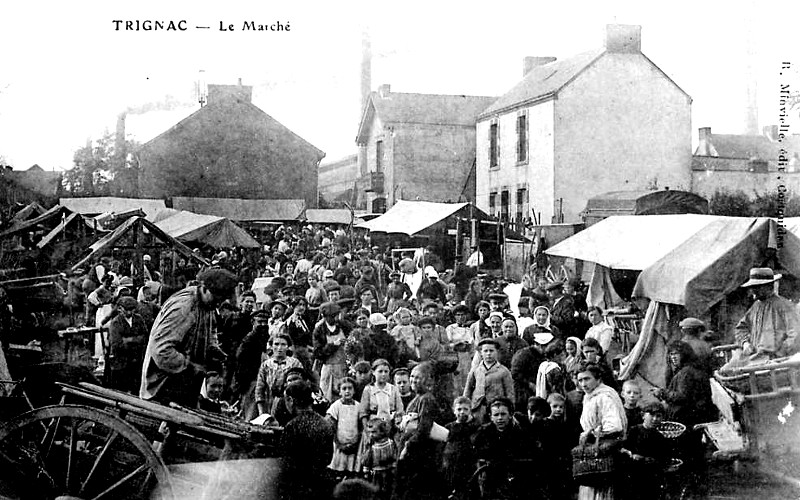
138 272
503 232
458 243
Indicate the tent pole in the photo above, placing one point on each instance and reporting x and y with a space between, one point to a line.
458 243
503 231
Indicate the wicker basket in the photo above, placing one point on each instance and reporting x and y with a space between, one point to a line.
592 471
595 465
671 430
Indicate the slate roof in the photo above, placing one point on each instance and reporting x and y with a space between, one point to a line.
738 146
242 210
103 204
544 81
430 108
426 109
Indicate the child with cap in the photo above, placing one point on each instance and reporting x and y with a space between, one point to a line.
384 345
489 380
461 340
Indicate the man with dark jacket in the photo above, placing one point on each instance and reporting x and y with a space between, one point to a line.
562 314
183 343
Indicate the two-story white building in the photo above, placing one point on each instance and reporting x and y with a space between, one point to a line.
605 120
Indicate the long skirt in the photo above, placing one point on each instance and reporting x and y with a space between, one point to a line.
460 377
595 493
329 378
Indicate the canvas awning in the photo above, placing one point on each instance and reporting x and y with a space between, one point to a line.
689 260
240 210
211 230
102 204
631 242
331 216
411 217
715 261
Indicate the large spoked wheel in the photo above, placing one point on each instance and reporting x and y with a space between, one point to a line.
78 452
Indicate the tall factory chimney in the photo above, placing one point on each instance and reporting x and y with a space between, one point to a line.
366 87
366 68
751 86
120 151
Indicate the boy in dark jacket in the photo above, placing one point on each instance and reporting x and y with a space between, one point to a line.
459 456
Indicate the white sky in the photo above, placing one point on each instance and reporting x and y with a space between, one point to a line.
65 74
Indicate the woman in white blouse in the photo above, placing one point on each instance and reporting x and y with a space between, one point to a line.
600 330
603 417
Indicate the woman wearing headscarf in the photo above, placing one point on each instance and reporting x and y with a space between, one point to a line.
573 359
541 333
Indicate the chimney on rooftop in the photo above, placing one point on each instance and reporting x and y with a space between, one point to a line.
219 93
120 152
771 132
623 38
530 62
384 90
366 68
704 144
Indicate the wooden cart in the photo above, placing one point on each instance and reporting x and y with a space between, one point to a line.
760 416
101 443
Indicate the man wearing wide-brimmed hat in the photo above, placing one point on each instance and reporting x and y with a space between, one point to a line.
769 328
183 343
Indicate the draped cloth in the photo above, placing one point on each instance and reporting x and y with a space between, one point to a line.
5 389
601 291
648 358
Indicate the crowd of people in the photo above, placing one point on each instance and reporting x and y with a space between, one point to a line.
428 393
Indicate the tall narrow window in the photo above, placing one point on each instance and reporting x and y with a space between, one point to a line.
494 145
522 206
522 137
379 156
492 204
504 206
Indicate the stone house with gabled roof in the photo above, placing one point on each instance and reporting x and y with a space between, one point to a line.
605 120
229 148
749 163
416 147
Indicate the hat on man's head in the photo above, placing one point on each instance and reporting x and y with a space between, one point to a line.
146 257
430 272
346 302
498 297
328 273
218 281
762 276
394 274
377 319
691 323
261 313
489 342
278 303
426 320
127 302
554 285
126 282
329 309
